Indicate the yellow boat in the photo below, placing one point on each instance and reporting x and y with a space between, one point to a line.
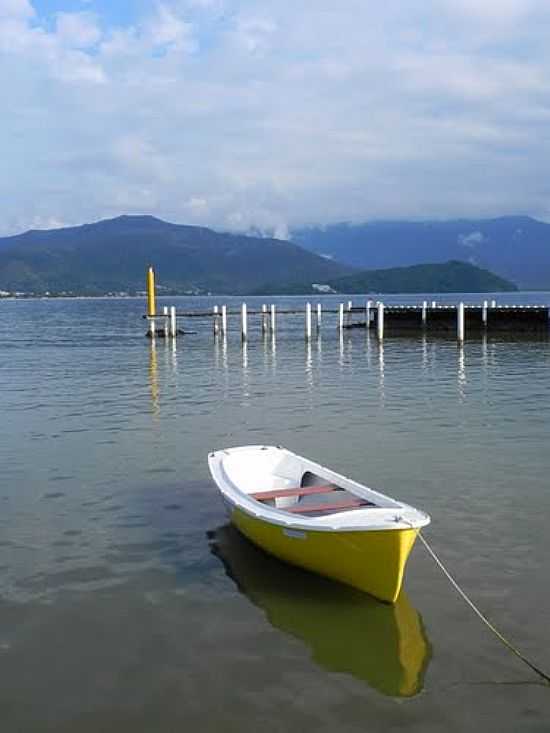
346 631
312 517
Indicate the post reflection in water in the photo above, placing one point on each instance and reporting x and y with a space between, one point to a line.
381 371
246 376
484 352
424 352
347 631
153 379
309 367
461 374
221 362
368 348
273 353
223 347
224 353
220 352
170 364
217 350
341 349
174 357
265 350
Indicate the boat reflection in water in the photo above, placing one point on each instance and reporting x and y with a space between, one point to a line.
347 631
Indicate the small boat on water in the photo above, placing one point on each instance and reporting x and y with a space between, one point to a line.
310 516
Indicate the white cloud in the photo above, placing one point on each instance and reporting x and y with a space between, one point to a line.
16 9
235 115
51 222
254 33
197 206
469 78
121 43
169 31
141 159
471 240
77 30
493 11
37 53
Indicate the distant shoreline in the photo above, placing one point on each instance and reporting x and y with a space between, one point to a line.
310 296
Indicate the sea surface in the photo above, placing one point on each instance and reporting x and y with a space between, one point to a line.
128 604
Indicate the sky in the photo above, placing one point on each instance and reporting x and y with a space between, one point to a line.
273 114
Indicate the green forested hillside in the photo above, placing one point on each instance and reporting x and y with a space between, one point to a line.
112 255
449 277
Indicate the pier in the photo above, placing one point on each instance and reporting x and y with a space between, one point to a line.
386 320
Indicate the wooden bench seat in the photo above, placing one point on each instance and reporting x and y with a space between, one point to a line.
300 491
335 506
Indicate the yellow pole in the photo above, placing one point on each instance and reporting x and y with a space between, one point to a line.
151 307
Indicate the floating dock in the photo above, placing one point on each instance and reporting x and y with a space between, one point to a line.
445 319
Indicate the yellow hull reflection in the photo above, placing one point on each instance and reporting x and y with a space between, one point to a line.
371 561
347 631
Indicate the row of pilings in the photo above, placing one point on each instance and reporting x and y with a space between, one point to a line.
457 320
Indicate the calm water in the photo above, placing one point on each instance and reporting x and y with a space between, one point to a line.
127 604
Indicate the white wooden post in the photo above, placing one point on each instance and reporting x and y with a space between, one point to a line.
244 328
318 317
424 312
433 303
173 326
264 319
224 319
367 313
493 304
341 317
165 314
380 321
460 322
273 318
216 325
308 321
484 313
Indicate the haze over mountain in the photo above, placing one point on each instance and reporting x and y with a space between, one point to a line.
112 255
515 247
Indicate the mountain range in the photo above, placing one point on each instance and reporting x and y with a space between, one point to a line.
515 247
112 255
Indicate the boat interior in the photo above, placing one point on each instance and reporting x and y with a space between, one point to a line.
314 496
287 482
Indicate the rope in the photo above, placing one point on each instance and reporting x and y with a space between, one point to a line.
476 610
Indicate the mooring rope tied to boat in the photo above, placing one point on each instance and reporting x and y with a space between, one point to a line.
476 610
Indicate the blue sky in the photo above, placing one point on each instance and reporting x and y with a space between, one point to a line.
272 114
111 12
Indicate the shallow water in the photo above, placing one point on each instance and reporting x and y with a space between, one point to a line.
127 604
